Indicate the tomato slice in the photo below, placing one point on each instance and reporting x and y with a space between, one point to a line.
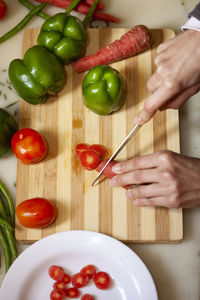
108 170
59 285
81 148
102 280
89 159
67 278
87 297
72 292
100 149
79 280
88 270
57 295
56 272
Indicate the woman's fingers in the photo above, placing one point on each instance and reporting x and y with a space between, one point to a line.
136 177
140 162
150 190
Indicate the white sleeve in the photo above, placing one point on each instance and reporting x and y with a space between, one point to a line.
192 23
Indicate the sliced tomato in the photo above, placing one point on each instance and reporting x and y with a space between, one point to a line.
81 148
87 297
59 285
79 280
56 272
67 278
89 159
100 149
108 170
102 280
57 295
88 270
72 292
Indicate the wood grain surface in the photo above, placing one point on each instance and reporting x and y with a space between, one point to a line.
65 122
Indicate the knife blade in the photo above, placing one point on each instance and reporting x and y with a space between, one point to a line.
119 149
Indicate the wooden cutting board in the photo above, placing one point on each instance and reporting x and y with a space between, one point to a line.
65 122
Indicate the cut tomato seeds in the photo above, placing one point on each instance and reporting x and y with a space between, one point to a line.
81 148
72 292
88 270
59 285
90 159
102 280
67 278
57 295
56 272
87 297
79 280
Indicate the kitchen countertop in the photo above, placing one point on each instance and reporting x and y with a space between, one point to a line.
174 267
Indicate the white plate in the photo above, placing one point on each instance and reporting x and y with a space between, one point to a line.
27 278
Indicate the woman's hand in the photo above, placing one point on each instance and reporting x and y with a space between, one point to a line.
177 75
165 179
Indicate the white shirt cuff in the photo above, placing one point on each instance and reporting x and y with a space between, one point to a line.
192 23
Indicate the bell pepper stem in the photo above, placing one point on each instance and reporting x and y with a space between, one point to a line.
72 5
23 23
30 6
90 13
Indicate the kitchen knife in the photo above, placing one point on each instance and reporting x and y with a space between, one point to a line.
123 144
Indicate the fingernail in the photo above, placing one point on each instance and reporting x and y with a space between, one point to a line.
113 182
138 120
116 168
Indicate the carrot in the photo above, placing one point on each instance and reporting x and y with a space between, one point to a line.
82 8
133 42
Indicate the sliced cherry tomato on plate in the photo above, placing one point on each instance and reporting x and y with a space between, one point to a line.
100 149
88 270
102 280
56 272
89 159
29 146
36 213
67 278
57 295
59 285
87 297
72 292
80 148
79 280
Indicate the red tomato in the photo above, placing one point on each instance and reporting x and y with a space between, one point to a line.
66 279
79 280
87 297
3 9
89 159
59 285
102 280
56 272
57 295
100 149
36 213
108 170
81 148
72 292
88 270
29 146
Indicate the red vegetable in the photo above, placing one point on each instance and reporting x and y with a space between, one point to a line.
88 270
66 279
89 159
87 297
82 8
133 42
80 148
36 213
100 149
56 272
79 280
99 6
108 170
102 280
59 285
29 146
72 292
57 295
3 9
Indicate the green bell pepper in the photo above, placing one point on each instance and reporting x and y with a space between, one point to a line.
103 90
39 74
65 36
8 127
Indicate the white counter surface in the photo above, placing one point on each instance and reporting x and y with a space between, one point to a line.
175 268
